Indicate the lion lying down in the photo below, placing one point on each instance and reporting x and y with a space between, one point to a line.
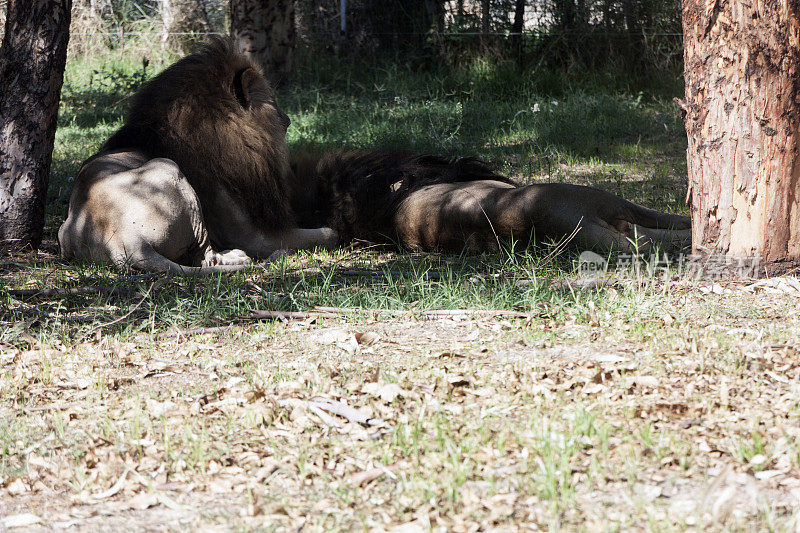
199 166
430 203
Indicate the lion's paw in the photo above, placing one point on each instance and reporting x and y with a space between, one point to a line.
234 257
228 257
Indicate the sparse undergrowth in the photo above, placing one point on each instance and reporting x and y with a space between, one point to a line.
143 402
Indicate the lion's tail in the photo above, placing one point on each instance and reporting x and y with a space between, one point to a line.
651 218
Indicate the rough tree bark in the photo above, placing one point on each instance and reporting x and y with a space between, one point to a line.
265 30
742 71
183 20
32 61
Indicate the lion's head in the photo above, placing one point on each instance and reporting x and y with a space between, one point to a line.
214 113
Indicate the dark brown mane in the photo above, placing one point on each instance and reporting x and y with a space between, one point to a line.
195 114
357 193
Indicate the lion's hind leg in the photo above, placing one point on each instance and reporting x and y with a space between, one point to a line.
145 217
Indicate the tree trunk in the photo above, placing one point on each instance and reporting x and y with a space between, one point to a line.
486 21
742 71
519 16
183 20
32 61
516 29
265 30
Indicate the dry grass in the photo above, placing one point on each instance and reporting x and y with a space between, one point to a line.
644 406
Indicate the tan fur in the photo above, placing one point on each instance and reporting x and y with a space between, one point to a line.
220 182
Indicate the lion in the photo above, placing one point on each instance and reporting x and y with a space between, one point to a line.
200 165
431 203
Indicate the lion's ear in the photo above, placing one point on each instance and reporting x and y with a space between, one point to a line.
246 84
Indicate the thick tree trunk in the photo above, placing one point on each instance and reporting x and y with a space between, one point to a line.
742 62
265 30
32 61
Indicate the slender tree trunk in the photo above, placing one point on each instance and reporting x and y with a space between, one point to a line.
519 16
516 29
32 61
486 20
742 106
265 30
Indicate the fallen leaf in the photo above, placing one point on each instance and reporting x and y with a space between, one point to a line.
337 337
367 338
454 381
365 476
387 392
142 501
21 520
17 487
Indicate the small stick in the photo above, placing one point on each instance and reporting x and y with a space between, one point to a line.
156 284
325 417
365 476
431 313
431 274
345 411
192 331
288 315
71 291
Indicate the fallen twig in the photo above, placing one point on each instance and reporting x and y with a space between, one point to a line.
193 331
345 411
429 313
365 476
72 291
430 275
288 315
155 285
334 312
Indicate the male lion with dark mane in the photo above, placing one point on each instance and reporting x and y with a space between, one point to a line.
200 165
429 203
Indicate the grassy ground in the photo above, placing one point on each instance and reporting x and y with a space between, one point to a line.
658 403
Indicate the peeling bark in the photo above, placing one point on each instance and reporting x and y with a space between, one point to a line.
742 71
32 62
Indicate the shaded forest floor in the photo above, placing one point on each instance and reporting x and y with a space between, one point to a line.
654 401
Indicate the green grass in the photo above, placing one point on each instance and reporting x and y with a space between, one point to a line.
627 142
